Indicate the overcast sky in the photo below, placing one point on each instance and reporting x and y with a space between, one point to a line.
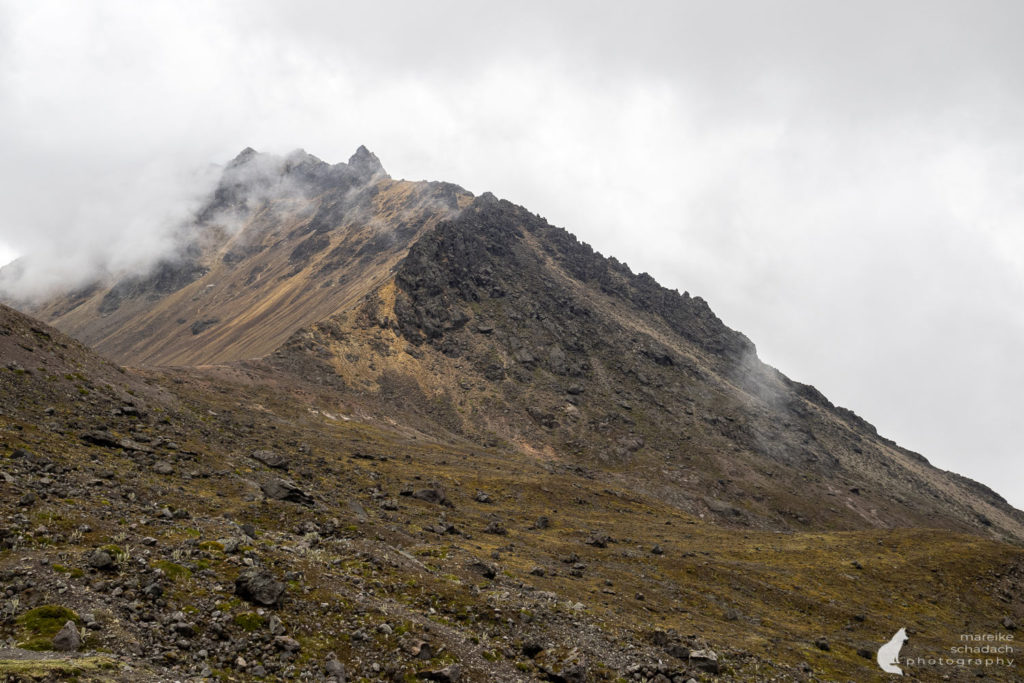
843 182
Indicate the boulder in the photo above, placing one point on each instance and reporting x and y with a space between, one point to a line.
287 643
496 528
334 669
420 649
163 467
486 570
101 438
282 489
132 445
705 660
271 459
259 586
68 639
101 559
432 494
449 674
678 651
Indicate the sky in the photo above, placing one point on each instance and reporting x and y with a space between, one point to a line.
842 182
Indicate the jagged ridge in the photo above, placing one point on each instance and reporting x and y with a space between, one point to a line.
529 334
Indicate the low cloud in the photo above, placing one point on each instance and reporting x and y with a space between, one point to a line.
118 223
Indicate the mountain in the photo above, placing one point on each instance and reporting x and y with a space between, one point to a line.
446 440
474 316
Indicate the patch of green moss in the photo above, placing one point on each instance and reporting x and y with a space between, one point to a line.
173 571
73 572
41 624
37 644
50 669
249 621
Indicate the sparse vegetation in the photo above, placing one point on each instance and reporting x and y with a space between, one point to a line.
172 570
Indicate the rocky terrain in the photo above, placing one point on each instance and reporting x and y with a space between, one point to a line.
410 434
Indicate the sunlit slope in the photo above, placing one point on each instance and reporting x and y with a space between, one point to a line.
278 248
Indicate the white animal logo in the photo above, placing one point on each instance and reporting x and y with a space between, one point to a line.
889 654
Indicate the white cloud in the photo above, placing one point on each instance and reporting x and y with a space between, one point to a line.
7 254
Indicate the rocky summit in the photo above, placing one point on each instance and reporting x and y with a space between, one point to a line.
356 428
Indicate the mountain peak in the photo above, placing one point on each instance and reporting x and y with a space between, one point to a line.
242 157
366 163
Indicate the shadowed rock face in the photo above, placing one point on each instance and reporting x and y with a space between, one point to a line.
486 253
167 277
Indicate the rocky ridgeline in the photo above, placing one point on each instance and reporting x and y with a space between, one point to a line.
482 255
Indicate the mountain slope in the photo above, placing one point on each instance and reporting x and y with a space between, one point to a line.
283 242
445 440
499 327
138 502
474 317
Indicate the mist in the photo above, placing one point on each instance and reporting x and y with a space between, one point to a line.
842 183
